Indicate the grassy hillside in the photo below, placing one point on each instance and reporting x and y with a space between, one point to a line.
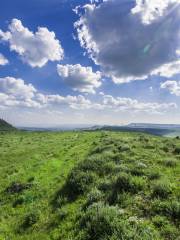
4 126
89 186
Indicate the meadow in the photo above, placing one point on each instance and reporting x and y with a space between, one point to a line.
95 185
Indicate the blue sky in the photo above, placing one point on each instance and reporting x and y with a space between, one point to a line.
106 62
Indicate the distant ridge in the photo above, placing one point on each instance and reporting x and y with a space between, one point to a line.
155 129
5 126
153 125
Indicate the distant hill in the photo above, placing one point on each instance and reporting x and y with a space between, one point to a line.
154 125
155 129
4 126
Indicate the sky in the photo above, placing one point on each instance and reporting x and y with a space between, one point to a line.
89 62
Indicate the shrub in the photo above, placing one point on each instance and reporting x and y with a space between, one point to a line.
123 182
94 196
137 184
177 150
105 185
108 168
30 219
170 232
99 221
159 221
121 168
78 182
99 149
154 175
18 201
165 149
18 187
62 214
167 208
93 163
98 164
106 222
170 163
126 183
111 155
143 138
30 179
61 200
124 148
149 146
137 170
167 230
116 158
173 209
141 165
124 199
161 189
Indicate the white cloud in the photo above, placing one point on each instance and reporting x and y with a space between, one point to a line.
131 40
35 49
15 93
80 78
3 60
119 80
168 70
151 10
128 104
17 88
8 100
75 102
172 86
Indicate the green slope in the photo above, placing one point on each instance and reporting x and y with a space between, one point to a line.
89 186
4 126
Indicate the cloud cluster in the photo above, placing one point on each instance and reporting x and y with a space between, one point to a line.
150 10
80 78
168 70
15 93
172 86
131 40
129 104
16 87
3 60
35 49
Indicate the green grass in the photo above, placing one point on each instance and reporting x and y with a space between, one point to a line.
44 159
89 186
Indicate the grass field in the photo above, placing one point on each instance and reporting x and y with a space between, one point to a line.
89 186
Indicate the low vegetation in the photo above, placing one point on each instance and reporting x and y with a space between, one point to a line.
4 126
89 186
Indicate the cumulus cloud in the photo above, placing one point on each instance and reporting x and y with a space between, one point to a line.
168 70
172 86
35 49
3 60
130 40
80 78
16 87
149 11
128 104
16 93
79 102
